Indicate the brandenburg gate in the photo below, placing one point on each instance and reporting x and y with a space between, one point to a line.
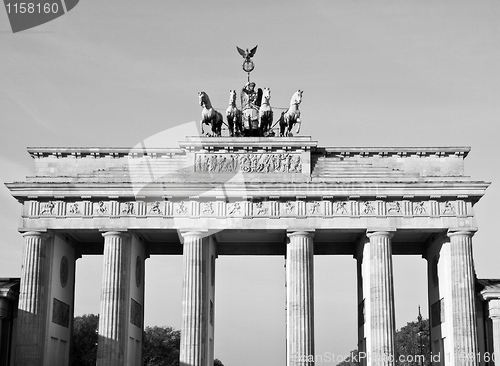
218 196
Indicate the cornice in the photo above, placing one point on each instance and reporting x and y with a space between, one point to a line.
97 152
248 143
428 184
459 151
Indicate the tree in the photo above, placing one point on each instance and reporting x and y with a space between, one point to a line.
161 346
352 360
84 340
411 343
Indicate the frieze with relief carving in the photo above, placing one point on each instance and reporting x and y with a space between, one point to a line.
248 163
284 208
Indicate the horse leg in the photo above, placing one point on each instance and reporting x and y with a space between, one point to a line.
282 126
299 123
214 127
239 127
267 127
201 127
266 123
250 127
230 124
218 124
290 126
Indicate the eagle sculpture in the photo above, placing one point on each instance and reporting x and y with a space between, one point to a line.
247 55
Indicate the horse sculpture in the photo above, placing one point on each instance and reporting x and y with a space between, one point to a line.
209 116
233 115
265 113
292 116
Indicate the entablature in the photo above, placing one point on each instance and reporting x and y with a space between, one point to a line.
223 207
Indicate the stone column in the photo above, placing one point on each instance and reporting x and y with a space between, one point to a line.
494 310
32 301
463 298
112 322
382 318
194 347
300 298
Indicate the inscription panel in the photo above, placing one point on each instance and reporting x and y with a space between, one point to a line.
135 313
60 313
437 313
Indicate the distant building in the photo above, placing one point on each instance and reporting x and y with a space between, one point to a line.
9 297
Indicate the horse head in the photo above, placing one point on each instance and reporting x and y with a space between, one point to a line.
232 97
204 100
201 97
266 95
296 98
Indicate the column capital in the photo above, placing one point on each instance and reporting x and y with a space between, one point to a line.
40 234
199 233
490 294
461 232
124 234
380 232
195 233
307 233
494 308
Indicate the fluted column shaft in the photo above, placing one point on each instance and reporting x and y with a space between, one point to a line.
112 320
192 349
382 315
32 302
300 298
494 310
463 298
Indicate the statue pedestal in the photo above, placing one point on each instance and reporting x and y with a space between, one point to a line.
265 158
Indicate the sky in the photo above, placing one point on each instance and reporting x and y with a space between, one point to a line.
384 73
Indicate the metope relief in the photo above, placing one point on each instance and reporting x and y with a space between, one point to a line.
448 208
289 208
74 209
155 208
341 208
208 208
234 209
259 209
182 208
128 208
48 208
101 208
419 208
368 208
314 208
248 163
394 208
302 207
